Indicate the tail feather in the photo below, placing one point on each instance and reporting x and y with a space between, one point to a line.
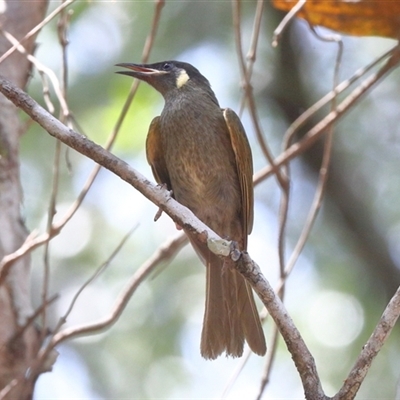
234 334
250 319
213 340
231 316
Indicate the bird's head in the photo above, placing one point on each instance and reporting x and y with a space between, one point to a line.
167 76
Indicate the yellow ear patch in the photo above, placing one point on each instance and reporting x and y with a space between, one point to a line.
182 79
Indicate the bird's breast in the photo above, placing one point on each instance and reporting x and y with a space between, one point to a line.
200 161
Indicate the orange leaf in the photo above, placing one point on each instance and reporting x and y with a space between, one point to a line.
359 18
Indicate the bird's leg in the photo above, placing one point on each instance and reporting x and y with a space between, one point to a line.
159 211
235 252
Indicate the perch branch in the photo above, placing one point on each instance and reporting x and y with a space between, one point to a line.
156 194
180 214
302 357
34 240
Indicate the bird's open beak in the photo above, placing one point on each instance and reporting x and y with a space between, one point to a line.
139 71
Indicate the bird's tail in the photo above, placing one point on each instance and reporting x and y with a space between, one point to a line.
231 316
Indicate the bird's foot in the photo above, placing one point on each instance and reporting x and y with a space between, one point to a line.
235 252
159 212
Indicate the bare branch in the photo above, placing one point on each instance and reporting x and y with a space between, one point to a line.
288 17
37 28
302 357
164 253
177 212
284 182
30 243
248 89
323 172
42 69
270 361
7 389
370 349
319 129
306 115
158 195
110 141
34 241
94 276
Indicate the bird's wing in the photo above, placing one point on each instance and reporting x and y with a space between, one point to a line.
244 163
155 155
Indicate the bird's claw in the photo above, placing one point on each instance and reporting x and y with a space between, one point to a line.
159 211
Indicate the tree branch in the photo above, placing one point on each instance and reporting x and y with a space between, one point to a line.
158 195
319 129
302 357
181 215
371 349
165 252
155 193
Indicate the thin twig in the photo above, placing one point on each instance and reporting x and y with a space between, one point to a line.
319 129
288 17
110 141
370 350
62 29
47 349
56 171
270 361
322 176
164 253
94 276
36 29
248 89
312 213
50 216
7 389
252 53
310 112
30 320
31 242
42 69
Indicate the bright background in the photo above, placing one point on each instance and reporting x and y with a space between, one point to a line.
341 283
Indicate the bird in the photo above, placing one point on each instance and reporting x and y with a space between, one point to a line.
201 153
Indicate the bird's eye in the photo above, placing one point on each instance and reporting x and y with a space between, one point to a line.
167 67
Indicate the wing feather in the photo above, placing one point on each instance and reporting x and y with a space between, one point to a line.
244 164
155 154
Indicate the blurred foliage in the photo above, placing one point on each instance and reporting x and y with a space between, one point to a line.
153 350
361 18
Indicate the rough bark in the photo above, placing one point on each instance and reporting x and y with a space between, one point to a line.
17 350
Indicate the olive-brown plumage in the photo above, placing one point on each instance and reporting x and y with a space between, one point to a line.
202 154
